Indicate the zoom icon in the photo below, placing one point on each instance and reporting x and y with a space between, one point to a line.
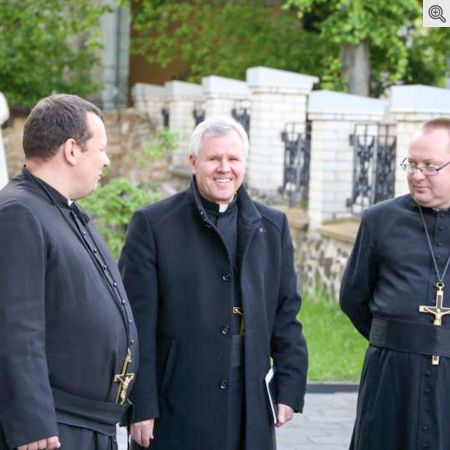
436 12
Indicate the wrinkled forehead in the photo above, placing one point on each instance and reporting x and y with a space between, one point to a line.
238 145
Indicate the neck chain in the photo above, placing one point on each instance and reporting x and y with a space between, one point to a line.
440 277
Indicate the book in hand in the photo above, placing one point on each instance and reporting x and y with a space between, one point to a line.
271 394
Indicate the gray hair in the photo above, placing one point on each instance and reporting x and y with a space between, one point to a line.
216 126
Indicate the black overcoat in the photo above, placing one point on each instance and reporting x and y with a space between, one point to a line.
60 326
404 400
178 276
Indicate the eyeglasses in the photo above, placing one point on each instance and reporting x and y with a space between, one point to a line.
428 171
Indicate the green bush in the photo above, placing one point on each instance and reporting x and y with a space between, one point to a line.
112 205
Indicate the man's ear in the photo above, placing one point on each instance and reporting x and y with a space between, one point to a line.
192 162
70 151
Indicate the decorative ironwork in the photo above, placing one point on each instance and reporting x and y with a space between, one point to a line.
198 113
374 165
297 154
166 117
241 113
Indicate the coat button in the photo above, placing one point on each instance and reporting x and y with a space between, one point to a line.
226 277
425 427
225 329
441 227
426 391
223 384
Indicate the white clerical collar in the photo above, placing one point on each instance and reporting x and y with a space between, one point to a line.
223 208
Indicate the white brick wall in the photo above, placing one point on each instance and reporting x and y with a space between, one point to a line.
150 99
278 97
221 94
333 118
181 99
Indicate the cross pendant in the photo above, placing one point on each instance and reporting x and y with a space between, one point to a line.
124 379
438 311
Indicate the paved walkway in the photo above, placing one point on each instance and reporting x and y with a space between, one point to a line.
325 425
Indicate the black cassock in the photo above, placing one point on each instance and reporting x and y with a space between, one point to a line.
404 400
65 322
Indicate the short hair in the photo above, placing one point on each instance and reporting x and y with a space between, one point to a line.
437 123
216 126
53 121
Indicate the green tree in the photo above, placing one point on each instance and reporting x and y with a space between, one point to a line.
224 38
47 46
380 42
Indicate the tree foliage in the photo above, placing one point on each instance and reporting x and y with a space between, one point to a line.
224 38
400 49
112 206
216 37
47 46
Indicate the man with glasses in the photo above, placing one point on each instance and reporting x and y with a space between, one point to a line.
396 291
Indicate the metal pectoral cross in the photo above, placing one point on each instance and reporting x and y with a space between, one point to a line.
438 311
124 379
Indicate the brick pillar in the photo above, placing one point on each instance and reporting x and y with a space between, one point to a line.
277 97
182 98
334 116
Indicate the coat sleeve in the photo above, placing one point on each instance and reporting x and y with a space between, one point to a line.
138 266
27 412
289 351
359 280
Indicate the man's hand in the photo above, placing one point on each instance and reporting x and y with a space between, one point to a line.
285 414
142 432
44 444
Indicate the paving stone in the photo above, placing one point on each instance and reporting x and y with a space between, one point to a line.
326 424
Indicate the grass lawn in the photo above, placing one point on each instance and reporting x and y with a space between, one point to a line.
336 349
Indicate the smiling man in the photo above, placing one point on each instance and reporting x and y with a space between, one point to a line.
66 328
396 292
211 281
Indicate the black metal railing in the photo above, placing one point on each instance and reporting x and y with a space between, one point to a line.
297 154
241 113
198 113
166 117
374 149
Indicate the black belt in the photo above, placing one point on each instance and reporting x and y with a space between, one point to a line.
411 337
86 413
